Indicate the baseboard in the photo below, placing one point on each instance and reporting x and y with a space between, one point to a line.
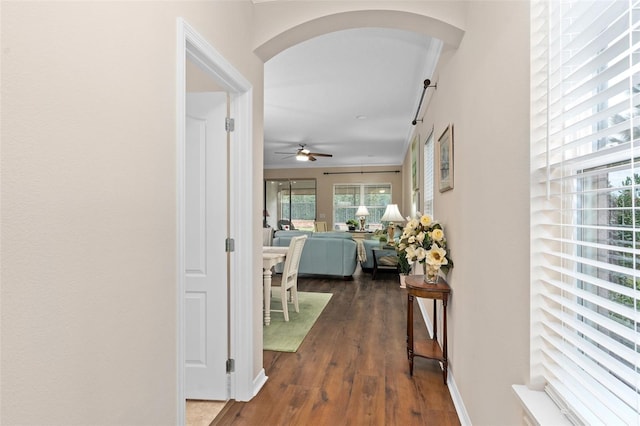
425 316
259 381
461 410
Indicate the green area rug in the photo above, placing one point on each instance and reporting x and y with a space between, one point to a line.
284 336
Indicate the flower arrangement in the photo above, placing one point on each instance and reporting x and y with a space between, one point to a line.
423 240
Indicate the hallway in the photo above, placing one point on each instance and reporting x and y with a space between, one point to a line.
352 368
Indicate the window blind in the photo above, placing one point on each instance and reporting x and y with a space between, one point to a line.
585 242
428 176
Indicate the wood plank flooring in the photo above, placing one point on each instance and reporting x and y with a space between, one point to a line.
352 367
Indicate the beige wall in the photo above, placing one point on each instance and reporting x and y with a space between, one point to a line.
88 197
483 90
88 298
324 190
282 24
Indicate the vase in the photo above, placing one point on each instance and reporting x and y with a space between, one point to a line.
430 273
403 277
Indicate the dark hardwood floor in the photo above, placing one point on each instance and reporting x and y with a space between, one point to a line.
352 367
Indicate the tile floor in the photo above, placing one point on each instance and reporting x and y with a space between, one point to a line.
202 413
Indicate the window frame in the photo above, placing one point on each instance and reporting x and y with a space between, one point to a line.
578 69
429 175
361 196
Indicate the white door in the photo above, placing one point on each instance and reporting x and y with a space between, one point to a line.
206 338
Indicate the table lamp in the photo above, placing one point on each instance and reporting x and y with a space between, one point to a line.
391 214
362 213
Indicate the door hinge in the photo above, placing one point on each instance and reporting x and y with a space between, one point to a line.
231 365
229 124
229 245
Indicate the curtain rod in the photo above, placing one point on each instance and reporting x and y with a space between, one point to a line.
427 82
349 173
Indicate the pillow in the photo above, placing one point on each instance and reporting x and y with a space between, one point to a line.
388 260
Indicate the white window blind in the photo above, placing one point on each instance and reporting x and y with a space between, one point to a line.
428 176
585 216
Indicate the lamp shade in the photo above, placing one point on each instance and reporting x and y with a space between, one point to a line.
362 211
392 214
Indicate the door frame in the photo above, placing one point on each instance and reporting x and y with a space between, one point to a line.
192 45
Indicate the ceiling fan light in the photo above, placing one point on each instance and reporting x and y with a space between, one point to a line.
302 157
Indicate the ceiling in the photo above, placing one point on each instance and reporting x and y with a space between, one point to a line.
350 93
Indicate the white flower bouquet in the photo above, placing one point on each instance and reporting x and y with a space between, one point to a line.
423 240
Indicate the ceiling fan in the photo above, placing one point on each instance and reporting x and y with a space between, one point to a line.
303 154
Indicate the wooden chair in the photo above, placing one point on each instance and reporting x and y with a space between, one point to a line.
289 280
321 226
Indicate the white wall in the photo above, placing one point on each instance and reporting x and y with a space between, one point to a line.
88 291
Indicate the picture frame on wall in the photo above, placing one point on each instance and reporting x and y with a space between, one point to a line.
445 159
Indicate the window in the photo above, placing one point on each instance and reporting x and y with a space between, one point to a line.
348 197
290 202
585 214
428 176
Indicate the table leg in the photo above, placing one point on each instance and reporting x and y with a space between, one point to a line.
410 332
266 282
435 321
445 364
375 266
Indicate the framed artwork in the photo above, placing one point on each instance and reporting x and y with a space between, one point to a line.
414 162
445 159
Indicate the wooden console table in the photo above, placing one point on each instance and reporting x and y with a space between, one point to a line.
416 287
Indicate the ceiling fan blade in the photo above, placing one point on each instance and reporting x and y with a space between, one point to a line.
303 152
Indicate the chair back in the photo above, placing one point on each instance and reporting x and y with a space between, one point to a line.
267 236
292 261
321 226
